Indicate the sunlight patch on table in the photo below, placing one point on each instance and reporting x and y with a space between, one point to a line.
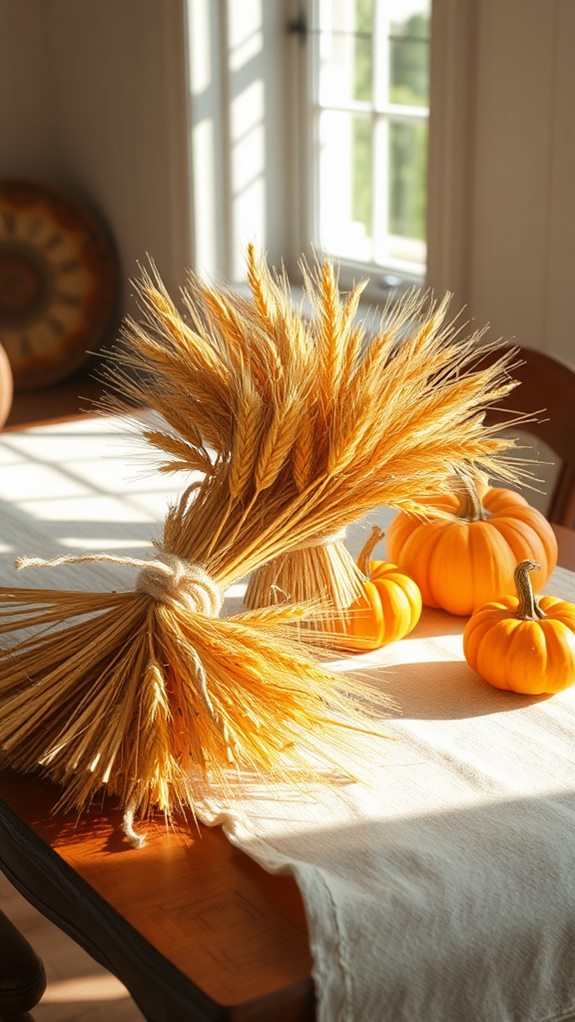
93 508
27 482
105 544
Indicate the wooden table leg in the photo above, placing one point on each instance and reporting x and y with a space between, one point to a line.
22 974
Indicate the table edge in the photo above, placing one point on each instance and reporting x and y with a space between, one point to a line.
31 864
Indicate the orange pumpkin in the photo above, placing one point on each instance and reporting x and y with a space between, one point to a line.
460 565
389 608
521 643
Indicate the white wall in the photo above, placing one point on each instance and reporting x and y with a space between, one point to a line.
27 115
512 252
92 98
523 217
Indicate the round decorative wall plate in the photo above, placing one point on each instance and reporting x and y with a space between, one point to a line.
59 283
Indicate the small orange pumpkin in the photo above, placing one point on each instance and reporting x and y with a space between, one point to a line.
460 565
389 608
521 643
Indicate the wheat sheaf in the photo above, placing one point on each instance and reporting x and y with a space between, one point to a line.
294 426
373 412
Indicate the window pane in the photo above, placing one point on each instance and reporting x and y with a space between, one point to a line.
362 202
345 185
344 16
409 57
409 73
345 70
407 183
409 17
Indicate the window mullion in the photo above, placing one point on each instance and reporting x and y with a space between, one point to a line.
380 55
399 113
380 188
314 72
380 225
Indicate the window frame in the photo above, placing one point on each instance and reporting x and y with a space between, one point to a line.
450 124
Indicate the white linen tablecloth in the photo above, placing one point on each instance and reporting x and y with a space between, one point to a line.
439 889
443 888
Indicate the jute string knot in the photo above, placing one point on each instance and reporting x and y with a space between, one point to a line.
170 579
166 578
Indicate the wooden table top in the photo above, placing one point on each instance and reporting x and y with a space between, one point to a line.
188 923
188 917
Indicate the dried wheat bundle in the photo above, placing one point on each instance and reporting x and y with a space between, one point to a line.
148 693
307 408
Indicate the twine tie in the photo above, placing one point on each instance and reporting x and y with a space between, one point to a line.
325 540
166 578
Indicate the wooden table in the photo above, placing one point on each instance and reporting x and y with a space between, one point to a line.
192 926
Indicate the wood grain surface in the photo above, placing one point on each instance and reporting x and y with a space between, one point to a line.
186 921
79 988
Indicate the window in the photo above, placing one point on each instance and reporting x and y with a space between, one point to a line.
367 112
309 131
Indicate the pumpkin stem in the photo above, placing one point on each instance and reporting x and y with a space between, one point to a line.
470 506
528 608
364 558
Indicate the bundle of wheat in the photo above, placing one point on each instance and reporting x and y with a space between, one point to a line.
387 415
150 696
149 693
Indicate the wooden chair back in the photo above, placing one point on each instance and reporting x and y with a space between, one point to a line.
550 385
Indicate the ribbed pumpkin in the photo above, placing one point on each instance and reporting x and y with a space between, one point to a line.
461 565
389 608
521 643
